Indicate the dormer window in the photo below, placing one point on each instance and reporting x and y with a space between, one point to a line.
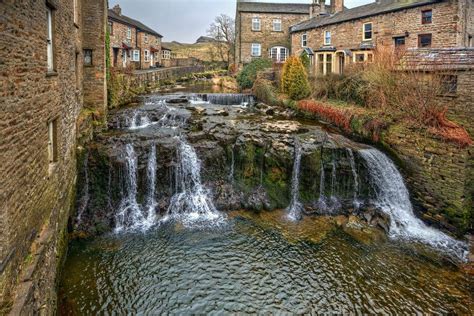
367 32
256 24
327 38
304 40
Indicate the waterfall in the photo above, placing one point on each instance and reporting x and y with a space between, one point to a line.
130 215
151 188
228 99
191 203
355 177
335 204
139 121
295 208
321 204
84 201
393 198
232 167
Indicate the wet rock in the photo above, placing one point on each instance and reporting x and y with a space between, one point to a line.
180 100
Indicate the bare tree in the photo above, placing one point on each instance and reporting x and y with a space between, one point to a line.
222 30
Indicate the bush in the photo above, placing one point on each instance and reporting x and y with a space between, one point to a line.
333 115
305 61
246 78
265 92
294 79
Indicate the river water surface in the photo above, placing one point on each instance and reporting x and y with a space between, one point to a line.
259 264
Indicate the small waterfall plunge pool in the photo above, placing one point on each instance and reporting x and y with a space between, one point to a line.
258 264
212 205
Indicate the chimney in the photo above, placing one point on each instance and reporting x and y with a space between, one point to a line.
314 9
337 6
322 9
117 9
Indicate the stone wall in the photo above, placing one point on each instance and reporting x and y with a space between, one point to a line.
36 195
445 29
266 37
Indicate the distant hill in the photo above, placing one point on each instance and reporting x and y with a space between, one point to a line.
201 51
205 39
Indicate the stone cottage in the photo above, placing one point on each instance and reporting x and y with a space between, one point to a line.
339 36
52 67
262 29
132 43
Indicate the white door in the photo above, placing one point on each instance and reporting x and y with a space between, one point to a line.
124 58
152 64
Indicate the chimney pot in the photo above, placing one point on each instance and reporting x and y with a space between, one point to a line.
117 9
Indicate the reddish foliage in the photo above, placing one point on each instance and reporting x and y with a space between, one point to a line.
335 116
448 130
375 126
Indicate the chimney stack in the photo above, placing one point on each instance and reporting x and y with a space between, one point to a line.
314 9
117 9
337 6
322 9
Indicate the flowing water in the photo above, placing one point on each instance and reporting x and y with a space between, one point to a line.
257 265
295 208
393 198
191 204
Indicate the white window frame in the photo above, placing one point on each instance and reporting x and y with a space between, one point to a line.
371 31
76 17
146 54
304 40
166 54
145 37
256 46
136 55
129 33
277 55
277 22
325 62
327 34
256 22
50 40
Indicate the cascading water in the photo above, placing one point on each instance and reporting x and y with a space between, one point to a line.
355 177
191 203
228 99
232 165
295 208
393 199
130 215
139 121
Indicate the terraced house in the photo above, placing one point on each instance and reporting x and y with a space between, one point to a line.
341 36
262 29
132 43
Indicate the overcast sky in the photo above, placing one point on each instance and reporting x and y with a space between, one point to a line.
185 20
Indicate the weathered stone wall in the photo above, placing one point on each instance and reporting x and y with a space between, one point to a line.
36 195
266 36
349 35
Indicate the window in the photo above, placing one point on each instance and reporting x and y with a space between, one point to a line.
166 54
449 84
424 40
325 63
426 17
136 55
277 25
256 24
370 58
87 57
278 54
53 141
327 38
304 40
359 58
147 55
111 28
50 40
367 32
129 33
469 41
256 50
76 17
145 38
399 41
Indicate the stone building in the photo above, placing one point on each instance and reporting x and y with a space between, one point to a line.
262 29
336 37
132 43
52 65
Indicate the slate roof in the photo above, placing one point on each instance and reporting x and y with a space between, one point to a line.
129 21
438 59
363 11
261 7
